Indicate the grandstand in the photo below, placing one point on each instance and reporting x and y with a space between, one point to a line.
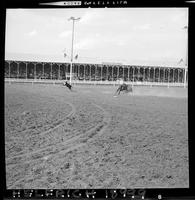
105 73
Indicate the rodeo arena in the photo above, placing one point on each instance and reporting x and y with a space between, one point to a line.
86 138
93 124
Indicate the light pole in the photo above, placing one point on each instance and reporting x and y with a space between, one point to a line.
71 61
186 64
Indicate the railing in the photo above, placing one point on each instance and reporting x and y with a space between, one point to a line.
87 82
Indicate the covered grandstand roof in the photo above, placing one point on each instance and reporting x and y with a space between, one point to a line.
88 60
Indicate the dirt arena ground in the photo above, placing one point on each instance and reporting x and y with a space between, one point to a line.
57 139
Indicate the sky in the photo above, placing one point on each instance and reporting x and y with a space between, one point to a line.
116 35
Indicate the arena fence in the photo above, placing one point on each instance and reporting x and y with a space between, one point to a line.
84 82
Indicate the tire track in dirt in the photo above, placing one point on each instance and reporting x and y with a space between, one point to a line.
80 140
92 133
72 113
106 121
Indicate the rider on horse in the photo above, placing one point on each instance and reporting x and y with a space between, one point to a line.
67 85
123 87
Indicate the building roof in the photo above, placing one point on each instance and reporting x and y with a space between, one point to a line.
86 60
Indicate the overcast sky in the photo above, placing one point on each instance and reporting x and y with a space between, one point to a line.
126 35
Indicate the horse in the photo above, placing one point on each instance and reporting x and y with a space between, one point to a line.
124 87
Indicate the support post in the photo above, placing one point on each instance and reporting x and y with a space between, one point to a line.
107 69
58 71
78 71
178 75
43 71
84 71
123 73
149 73
26 71
51 72
168 76
17 70
118 73
143 74
185 76
90 72
34 70
153 75
159 75
101 72
9 69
